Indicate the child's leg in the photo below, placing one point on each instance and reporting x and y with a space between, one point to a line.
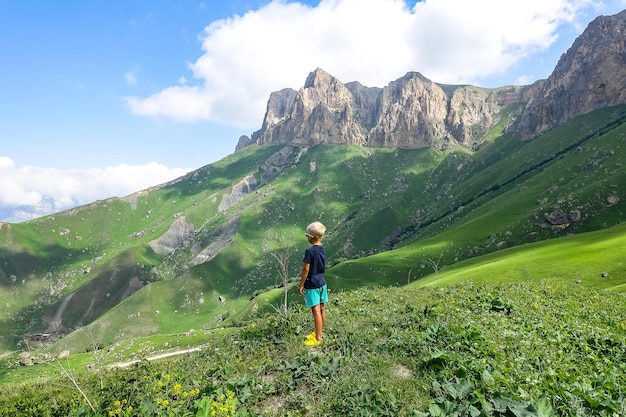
323 312
318 320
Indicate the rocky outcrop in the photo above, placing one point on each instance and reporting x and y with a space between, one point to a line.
321 114
413 111
238 192
243 142
176 236
474 111
589 76
210 246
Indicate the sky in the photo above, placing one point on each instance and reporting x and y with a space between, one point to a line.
102 98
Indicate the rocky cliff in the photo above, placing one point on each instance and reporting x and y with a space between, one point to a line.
413 111
410 112
590 75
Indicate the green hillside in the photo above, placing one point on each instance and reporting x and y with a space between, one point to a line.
217 226
96 262
440 261
534 348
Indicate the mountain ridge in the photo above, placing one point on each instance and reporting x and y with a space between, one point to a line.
189 253
413 111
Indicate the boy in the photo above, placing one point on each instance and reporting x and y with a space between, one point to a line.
312 283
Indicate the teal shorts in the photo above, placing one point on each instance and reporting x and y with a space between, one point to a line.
316 296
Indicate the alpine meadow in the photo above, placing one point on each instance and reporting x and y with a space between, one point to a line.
475 249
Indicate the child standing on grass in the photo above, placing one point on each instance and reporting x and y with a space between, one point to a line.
312 283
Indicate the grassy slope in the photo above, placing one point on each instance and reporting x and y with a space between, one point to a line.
538 348
593 259
439 207
511 212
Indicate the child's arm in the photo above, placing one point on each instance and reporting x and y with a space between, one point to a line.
303 275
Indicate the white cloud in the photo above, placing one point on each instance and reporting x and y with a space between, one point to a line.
247 57
131 78
28 185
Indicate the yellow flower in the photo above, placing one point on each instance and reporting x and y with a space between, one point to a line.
116 403
177 388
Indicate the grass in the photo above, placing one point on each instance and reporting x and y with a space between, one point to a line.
537 348
592 259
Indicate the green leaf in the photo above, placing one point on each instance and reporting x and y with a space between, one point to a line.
544 408
474 412
435 410
487 378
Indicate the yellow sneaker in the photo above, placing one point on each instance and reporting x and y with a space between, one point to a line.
312 342
310 336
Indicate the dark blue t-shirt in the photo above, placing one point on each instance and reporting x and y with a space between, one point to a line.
315 256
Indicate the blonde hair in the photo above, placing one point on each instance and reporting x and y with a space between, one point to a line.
316 229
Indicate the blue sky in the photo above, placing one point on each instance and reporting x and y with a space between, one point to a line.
103 98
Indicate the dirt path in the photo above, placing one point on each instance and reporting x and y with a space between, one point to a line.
155 357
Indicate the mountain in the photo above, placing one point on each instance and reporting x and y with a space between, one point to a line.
590 75
411 112
428 175
414 112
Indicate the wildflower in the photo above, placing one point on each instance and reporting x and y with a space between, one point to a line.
177 388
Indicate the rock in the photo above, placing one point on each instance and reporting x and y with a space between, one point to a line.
243 142
211 244
320 113
589 76
414 112
574 215
612 200
178 233
410 112
238 192
25 359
